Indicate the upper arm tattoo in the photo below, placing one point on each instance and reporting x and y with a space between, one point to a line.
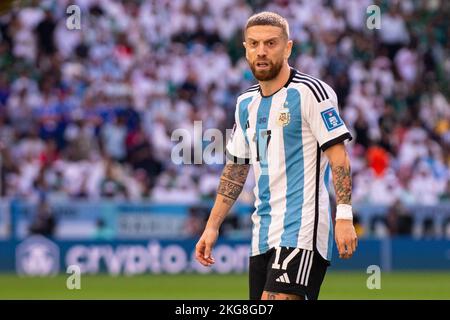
232 181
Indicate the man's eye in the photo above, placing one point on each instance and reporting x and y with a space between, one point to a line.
271 43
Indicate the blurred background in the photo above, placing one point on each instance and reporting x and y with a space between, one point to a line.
87 115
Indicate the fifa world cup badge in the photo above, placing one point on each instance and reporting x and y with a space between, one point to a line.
284 117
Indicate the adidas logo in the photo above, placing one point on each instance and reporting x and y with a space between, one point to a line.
283 278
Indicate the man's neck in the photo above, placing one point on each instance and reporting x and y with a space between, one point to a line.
270 87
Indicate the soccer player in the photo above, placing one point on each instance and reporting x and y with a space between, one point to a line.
288 127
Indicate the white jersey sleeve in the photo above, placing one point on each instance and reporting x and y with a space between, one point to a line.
237 148
324 120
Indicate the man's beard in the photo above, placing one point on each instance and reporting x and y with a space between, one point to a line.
269 74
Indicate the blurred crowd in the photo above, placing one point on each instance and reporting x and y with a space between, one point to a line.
89 113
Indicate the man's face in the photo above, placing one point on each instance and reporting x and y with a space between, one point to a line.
266 50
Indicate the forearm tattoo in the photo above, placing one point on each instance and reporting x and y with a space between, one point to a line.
342 179
236 172
232 181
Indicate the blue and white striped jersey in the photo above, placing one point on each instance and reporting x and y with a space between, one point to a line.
283 136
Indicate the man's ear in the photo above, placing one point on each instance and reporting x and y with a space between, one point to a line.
288 50
245 47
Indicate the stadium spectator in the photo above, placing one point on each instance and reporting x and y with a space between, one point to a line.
111 187
399 220
113 138
44 222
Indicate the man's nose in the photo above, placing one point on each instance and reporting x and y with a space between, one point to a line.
261 50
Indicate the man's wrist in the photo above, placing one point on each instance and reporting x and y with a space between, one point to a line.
344 212
213 225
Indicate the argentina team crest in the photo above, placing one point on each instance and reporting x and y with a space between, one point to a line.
284 116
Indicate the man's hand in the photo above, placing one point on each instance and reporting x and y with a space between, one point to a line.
204 246
346 239
230 186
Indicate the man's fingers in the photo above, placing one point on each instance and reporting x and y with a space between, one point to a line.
354 244
338 246
342 247
207 254
199 249
346 248
345 252
200 254
349 247
203 254
204 247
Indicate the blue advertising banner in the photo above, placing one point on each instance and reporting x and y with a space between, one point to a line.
40 256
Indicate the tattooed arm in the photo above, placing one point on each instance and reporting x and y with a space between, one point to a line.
345 234
340 168
231 183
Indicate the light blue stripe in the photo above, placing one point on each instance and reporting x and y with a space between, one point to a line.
263 181
330 232
326 176
243 114
293 151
